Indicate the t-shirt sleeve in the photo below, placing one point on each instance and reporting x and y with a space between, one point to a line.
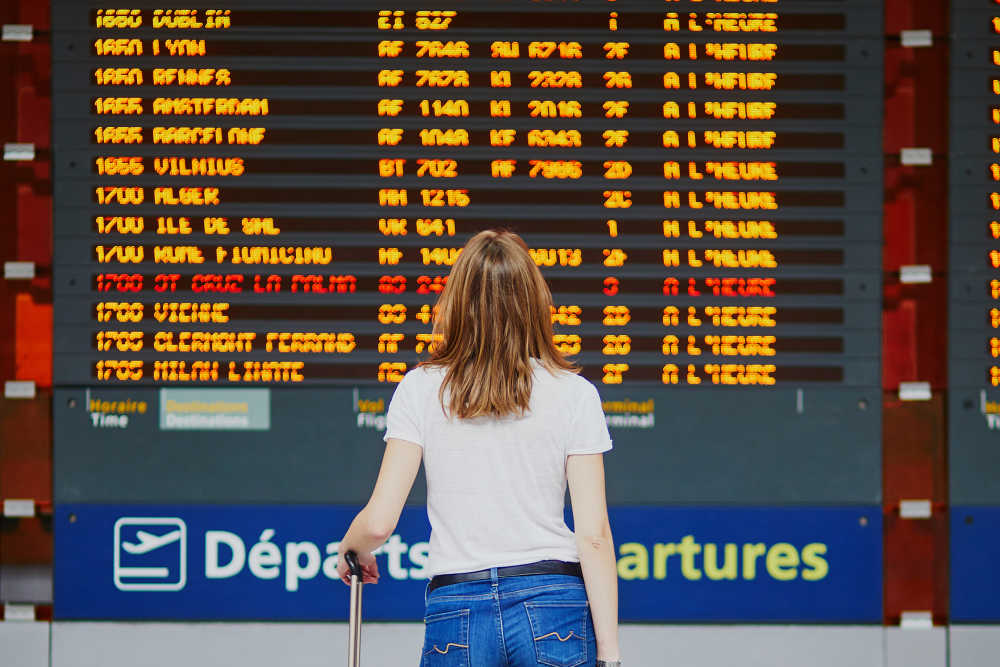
404 419
589 430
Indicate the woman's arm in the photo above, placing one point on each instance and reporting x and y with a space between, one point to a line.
585 474
374 524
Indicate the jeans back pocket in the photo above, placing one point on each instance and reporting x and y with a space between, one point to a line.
446 639
559 630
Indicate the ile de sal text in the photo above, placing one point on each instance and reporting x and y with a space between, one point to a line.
227 555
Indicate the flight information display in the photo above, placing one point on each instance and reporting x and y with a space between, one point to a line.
273 194
974 317
258 204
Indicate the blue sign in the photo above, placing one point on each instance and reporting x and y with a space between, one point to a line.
975 552
749 564
677 564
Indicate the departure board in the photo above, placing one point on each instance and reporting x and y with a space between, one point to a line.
974 317
269 194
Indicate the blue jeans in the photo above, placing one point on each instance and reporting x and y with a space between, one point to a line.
540 619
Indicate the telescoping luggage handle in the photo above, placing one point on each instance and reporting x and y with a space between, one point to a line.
354 641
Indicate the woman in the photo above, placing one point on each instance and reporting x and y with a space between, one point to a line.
502 423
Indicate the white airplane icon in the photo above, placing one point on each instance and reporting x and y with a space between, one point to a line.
150 573
148 542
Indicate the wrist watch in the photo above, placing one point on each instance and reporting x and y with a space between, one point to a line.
609 663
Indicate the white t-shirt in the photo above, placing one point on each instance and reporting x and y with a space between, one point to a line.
496 488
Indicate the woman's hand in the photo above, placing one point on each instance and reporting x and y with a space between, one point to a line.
369 569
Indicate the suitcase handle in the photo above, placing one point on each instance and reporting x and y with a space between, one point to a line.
352 564
354 627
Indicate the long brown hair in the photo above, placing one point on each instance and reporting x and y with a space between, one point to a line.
493 316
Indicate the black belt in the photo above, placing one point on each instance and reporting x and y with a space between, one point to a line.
541 567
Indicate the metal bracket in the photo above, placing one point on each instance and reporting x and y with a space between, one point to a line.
915 509
916 620
18 612
19 389
916 273
914 391
19 270
17 32
912 39
14 152
18 507
916 157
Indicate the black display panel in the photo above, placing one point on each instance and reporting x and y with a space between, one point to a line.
270 195
974 256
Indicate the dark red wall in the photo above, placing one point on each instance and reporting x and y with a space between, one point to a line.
914 322
26 307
